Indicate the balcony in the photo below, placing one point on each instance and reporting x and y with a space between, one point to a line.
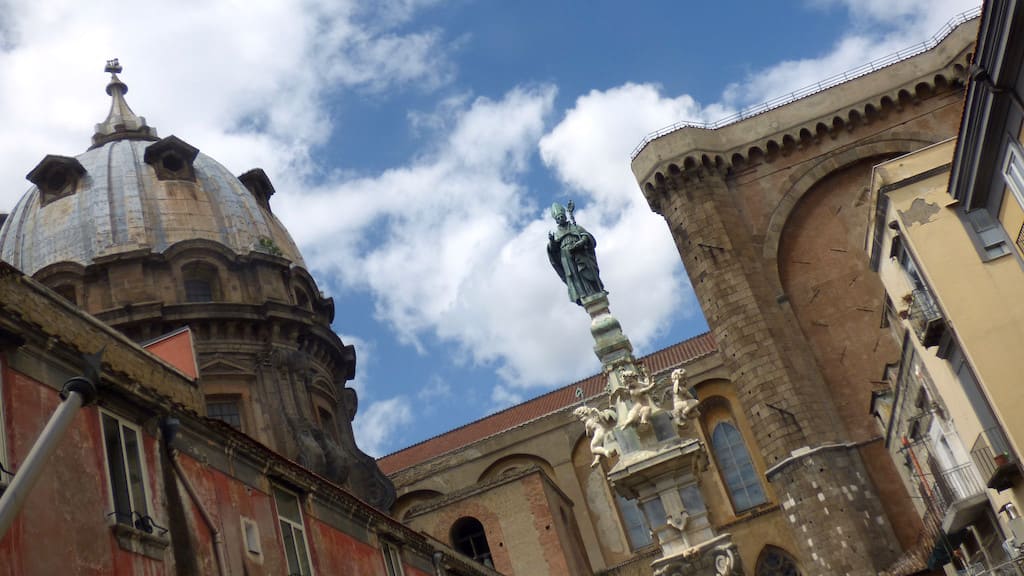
996 462
959 496
926 318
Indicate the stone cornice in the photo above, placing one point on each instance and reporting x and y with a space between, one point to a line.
49 323
806 121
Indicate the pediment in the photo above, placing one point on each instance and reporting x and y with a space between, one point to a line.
222 367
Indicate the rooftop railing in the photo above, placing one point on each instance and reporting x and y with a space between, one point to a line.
825 84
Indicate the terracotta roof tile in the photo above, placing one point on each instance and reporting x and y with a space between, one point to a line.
543 405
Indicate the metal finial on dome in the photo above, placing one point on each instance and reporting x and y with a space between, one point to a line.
121 122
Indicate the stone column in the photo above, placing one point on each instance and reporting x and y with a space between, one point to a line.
658 459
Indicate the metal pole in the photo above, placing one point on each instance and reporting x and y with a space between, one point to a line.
77 392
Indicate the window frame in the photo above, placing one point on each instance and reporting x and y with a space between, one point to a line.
115 515
293 526
224 399
722 468
392 559
1013 172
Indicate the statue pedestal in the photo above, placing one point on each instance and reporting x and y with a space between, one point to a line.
715 557
659 463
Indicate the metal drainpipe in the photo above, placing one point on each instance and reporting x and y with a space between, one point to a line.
437 558
77 392
170 426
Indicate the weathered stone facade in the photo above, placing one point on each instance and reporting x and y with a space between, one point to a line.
770 217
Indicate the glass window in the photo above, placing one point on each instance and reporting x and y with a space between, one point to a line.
392 559
198 290
225 409
1013 171
774 562
289 514
125 467
200 280
468 537
637 530
736 467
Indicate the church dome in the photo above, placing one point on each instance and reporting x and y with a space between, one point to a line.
132 192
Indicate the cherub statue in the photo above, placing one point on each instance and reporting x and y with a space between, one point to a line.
598 424
639 388
684 405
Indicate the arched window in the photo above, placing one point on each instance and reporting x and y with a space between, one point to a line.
736 467
775 562
468 537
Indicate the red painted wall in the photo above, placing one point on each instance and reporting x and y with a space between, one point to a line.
62 528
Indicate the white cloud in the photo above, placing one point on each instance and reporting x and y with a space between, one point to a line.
246 86
452 246
589 148
435 389
879 28
376 425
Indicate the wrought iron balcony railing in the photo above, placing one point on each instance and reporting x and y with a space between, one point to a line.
926 318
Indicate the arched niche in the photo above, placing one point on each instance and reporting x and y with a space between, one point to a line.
835 296
515 463
405 502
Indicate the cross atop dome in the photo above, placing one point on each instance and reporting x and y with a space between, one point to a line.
121 122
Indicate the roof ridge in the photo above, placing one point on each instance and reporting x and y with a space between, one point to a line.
577 383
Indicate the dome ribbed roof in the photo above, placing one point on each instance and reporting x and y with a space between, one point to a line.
113 200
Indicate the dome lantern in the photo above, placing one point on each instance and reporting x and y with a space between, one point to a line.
121 122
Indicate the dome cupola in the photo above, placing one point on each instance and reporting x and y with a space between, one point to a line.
150 235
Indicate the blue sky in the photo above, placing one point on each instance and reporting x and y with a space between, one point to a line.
415 146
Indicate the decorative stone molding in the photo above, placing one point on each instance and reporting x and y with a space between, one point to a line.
715 557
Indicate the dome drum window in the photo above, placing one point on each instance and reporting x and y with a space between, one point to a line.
172 159
56 177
